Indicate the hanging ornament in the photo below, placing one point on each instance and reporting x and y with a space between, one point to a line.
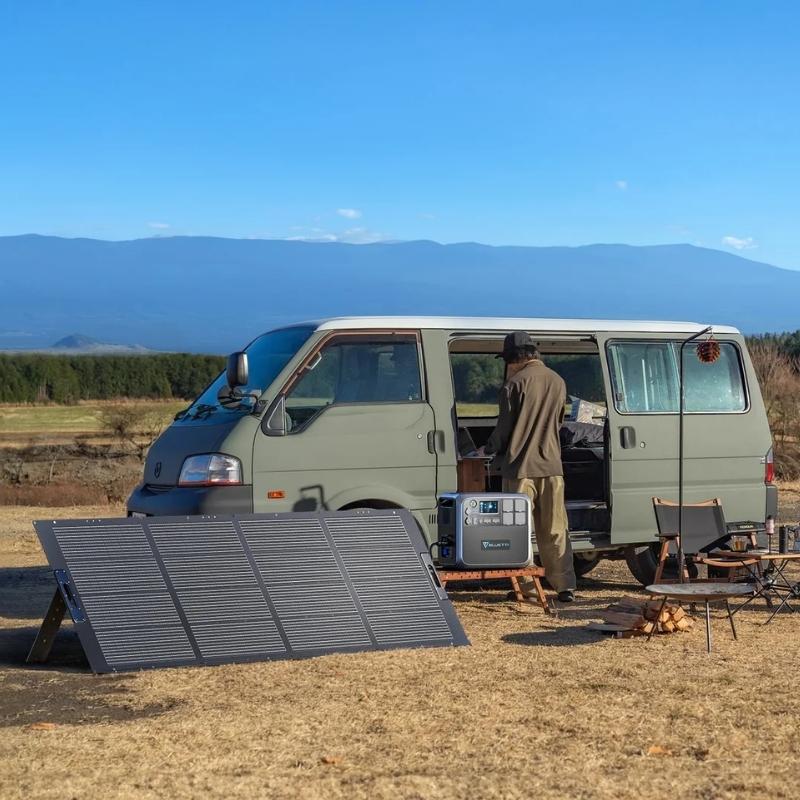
708 351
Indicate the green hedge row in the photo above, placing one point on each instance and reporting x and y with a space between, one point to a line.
31 378
35 378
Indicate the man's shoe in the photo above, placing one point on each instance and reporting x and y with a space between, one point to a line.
567 596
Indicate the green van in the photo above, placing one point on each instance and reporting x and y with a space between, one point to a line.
384 412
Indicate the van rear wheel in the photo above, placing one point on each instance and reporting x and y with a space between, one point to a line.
642 561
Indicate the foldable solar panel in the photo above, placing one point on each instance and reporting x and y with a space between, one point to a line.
169 591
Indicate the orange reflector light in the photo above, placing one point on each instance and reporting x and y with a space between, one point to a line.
276 494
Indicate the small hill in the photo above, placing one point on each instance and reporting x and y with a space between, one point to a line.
79 344
77 341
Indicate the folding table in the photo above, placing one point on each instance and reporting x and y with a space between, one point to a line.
770 580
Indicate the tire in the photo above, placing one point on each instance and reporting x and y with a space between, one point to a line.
584 563
642 561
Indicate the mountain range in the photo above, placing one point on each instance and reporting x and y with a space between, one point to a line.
213 294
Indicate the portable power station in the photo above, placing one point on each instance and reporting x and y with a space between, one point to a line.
481 530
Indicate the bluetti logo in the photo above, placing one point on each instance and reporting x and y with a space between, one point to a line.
495 544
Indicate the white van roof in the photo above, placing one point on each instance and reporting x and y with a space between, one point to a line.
516 323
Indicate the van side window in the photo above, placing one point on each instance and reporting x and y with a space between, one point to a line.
357 370
645 379
478 377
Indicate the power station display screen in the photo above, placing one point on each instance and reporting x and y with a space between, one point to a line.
488 506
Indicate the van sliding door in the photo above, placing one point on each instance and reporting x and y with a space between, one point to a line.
724 440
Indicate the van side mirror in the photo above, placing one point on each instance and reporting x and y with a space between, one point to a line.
236 371
274 423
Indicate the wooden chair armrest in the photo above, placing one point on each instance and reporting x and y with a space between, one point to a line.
739 562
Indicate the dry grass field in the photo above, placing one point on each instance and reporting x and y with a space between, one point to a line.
24 424
535 707
86 453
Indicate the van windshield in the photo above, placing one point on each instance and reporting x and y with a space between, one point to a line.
267 356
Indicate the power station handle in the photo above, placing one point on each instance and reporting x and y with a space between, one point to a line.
627 437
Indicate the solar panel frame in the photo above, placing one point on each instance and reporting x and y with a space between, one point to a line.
146 592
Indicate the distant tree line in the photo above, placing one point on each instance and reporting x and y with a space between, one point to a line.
477 378
37 378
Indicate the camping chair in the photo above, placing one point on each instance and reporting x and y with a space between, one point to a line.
703 529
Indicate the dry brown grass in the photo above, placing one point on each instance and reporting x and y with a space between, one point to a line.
779 377
52 495
536 707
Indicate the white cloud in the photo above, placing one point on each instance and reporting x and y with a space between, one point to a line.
158 226
357 235
322 237
737 243
361 236
621 185
348 213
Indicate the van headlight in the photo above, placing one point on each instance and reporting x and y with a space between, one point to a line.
211 469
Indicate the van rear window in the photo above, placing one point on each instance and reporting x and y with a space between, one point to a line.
645 379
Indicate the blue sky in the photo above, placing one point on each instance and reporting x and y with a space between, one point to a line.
504 122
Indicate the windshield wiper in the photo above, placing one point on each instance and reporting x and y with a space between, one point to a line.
203 410
234 400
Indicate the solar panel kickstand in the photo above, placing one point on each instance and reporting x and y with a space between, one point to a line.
63 601
40 649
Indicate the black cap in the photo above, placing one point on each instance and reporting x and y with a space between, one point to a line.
516 341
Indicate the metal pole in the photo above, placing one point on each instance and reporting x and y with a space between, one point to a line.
681 404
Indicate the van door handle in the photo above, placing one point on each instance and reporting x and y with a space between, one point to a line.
627 437
435 441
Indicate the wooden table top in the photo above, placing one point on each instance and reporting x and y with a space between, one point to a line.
755 554
700 591
489 573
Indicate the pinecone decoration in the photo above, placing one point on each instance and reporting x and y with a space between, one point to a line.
708 351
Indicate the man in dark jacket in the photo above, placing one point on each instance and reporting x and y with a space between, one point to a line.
527 451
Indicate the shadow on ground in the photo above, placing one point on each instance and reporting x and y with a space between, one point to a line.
67 653
26 591
63 691
555 637
33 697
